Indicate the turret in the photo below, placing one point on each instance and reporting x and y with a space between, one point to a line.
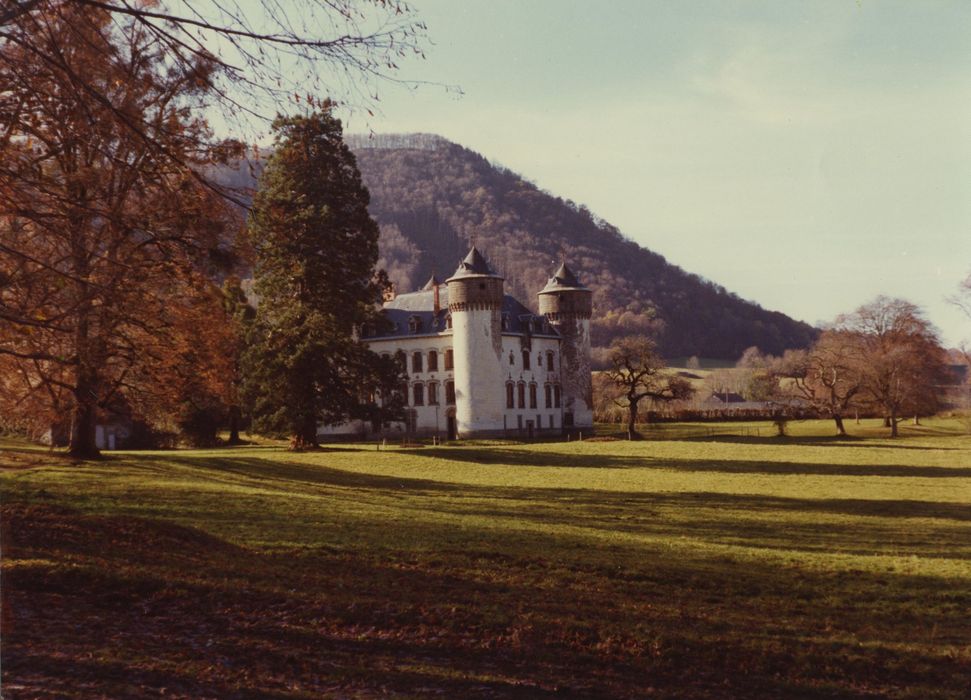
568 305
475 294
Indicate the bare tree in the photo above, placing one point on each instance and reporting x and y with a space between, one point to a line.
901 360
828 376
962 300
637 369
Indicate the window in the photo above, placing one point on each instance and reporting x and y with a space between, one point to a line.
448 360
416 363
539 359
532 396
525 359
432 361
414 324
556 395
450 393
433 394
505 322
522 394
510 403
512 358
548 390
403 393
419 394
549 361
448 322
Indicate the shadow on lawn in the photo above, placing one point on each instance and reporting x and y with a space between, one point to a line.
532 458
815 441
290 476
504 618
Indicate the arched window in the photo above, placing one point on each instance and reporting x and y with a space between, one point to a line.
402 361
450 393
419 394
416 363
556 395
512 358
448 322
548 389
505 322
525 359
449 362
432 361
414 324
510 403
432 394
522 394
549 361
532 395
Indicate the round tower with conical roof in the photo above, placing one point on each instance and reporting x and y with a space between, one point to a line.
568 305
475 294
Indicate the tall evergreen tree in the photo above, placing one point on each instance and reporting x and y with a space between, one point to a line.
316 248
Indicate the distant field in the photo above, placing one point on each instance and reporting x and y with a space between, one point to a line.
708 562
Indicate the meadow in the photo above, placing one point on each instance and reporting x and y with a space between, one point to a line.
704 562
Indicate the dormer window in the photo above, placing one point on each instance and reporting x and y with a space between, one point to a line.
414 324
538 325
448 322
505 322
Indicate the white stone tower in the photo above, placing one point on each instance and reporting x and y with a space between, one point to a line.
568 305
475 295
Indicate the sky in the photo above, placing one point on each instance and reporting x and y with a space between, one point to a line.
805 155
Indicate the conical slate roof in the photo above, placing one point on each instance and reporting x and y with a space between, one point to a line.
561 280
474 264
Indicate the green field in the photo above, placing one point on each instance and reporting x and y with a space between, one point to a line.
695 564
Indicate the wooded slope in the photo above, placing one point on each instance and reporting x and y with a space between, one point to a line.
432 198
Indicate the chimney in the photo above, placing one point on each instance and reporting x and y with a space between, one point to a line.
438 305
389 293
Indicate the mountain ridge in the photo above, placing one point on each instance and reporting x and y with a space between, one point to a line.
432 198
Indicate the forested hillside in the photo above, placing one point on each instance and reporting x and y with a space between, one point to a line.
433 197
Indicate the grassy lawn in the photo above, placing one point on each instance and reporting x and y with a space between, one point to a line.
698 564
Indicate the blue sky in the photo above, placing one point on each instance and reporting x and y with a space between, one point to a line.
806 155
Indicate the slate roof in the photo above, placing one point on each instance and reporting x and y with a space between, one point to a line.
474 265
421 304
561 280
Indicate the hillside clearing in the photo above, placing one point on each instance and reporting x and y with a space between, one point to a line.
686 566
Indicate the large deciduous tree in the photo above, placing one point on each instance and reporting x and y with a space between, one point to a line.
901 362
637 369
316 248
106 235
829 376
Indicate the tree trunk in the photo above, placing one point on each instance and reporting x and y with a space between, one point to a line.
893 423
840 430
84 419
632 433
234 418
306 437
